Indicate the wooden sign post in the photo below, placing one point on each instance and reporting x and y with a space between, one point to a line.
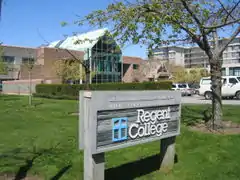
112 120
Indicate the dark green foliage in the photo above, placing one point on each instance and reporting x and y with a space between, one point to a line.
50 96
66 91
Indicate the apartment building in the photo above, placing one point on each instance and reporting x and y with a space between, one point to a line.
231 59
195 57
173 54
14 56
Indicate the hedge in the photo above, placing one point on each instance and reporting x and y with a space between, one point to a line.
66 91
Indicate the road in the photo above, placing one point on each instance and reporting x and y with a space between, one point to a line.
200 100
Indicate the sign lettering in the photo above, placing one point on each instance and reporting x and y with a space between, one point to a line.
149 123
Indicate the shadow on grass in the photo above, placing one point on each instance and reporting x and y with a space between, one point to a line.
23 170
136 169
191 116
27 158
61 172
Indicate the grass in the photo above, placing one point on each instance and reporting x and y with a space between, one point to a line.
43 141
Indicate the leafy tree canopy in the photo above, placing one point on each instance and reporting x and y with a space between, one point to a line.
3 66
159 22
70 69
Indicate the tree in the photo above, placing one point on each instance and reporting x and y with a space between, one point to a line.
178 73
29 64
158 22
70 69
3 66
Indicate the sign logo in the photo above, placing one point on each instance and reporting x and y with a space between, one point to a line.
148 123
119 130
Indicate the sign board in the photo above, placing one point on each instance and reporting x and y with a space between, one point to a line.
112 120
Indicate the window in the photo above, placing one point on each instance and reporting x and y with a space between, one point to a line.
135 66
233 80
182 86
234 54
206 81
236 47
26 60
234 71
119 130
173 86
8 59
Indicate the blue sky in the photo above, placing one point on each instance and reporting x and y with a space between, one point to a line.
32 23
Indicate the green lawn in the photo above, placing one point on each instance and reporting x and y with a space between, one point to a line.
43 141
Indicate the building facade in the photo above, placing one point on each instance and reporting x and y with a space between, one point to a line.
13 57
195 57
173 54
102 55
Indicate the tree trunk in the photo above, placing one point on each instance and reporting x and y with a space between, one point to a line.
30 89
216 88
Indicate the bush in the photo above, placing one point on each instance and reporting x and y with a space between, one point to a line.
49 96
66 91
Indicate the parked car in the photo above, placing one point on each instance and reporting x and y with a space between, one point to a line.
230 87
195 88
183 87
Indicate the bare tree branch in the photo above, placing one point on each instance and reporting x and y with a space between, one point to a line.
236 5
222 25
228 13
194 37
200 25
230 40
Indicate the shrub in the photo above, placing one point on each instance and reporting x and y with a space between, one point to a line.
66 91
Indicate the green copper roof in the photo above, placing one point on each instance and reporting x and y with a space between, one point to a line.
80 41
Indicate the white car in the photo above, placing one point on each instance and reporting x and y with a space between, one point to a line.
183 87
230 87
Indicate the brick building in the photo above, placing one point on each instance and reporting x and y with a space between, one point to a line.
46 57
101 54
44 67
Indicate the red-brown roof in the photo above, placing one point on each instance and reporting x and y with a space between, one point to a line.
132 60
